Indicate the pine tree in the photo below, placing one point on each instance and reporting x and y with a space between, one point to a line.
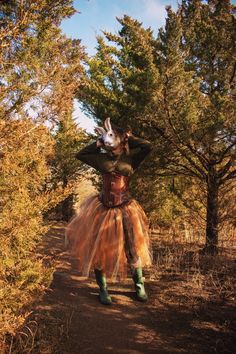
210 34
177 90
40 72
122 77
39 65
199 69
66 169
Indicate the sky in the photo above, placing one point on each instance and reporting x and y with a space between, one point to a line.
96 15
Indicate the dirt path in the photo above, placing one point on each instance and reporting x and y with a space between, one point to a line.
70 318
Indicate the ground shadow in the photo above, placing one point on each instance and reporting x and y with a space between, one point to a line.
69 318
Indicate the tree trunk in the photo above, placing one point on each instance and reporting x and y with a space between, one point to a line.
212 220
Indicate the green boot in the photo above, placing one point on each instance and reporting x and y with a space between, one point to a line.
139 284
104 297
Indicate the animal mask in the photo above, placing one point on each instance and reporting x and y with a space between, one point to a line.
110 137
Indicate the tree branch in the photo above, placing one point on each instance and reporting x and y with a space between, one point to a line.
225 168
202 159
225 151
233 73
231 175
202 174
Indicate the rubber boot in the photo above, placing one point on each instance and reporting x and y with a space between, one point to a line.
104 297
139 284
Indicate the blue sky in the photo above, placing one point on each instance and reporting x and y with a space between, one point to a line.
97 15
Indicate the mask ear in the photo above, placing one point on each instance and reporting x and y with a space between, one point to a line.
99 130
107 124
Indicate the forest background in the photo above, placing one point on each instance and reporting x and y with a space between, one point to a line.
176 89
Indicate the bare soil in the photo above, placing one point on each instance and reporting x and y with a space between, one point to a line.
70 319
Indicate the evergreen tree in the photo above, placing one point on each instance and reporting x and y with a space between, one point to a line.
199 117
40 67
179 92
66 169
121 78
40 72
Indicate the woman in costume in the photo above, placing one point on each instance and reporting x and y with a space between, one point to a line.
110 232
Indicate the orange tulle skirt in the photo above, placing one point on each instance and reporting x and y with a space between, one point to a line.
111 239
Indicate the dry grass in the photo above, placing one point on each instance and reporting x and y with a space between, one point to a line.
206 277
41 334
188 280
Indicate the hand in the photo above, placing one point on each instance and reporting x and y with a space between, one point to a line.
127 135
99 142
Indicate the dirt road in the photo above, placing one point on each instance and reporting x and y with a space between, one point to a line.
69 318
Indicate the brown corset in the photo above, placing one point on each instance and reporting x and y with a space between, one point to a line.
115 189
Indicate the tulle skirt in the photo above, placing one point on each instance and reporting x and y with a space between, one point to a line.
112 239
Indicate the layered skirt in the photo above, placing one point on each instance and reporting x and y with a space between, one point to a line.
112 239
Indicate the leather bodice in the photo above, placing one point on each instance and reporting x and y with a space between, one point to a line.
114 189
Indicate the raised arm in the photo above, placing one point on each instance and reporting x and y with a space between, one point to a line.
90 154
139 149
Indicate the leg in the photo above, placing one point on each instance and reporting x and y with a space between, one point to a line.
139 284
135 264
104 297
137 276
